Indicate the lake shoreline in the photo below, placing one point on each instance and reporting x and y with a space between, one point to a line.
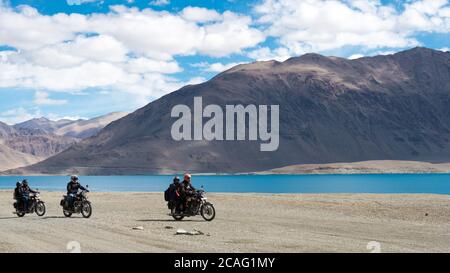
359 167
365 167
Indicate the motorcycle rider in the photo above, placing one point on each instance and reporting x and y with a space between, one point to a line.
174 193
72 190
17 195
186 190
25 194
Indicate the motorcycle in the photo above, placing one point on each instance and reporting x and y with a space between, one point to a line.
197 205
80 205
35 205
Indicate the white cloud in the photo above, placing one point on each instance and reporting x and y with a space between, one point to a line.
146 65
42 98
79 2
320 25
55 117
196 80
196 14
445 49
266 54
159 3
230 36
355 56
17 115
100 48
77 78
126 49
25 28
215 67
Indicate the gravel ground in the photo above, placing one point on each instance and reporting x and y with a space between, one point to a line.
244 223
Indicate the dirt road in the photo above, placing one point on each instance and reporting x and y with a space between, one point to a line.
244 223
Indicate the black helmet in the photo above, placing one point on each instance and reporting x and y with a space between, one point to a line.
176 179
74 178
25 182
18 184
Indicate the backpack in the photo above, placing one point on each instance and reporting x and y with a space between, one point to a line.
167 193
16 194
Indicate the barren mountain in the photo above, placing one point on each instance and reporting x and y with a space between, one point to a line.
38 142
10 158
34 140
5 130
25 146
88 128
44 124
393 107
82 128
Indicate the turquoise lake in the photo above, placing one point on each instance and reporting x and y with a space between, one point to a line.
355 183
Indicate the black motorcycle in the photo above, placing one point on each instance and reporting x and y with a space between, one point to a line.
80 205
196 205
35 205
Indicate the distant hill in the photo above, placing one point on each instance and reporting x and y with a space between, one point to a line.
21 147
37 139
81 128
393 107
88 128
44 124
10 158
37 142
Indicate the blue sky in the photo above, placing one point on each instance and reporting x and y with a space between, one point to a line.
84 58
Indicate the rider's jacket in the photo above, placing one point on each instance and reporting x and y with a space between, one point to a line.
25 191
186 188
73 187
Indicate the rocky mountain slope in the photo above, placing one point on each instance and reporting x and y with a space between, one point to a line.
87 128
10 158
393 107
21 147
81 128
35 142
44 124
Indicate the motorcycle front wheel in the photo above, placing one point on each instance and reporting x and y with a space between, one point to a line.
208 212
86 210
40 208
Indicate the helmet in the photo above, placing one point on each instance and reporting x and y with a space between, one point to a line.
74 178
25 182
176 179
18 184
187 176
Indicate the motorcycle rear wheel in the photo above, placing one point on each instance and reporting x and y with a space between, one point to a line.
176 216
20 213
40 208
67 213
